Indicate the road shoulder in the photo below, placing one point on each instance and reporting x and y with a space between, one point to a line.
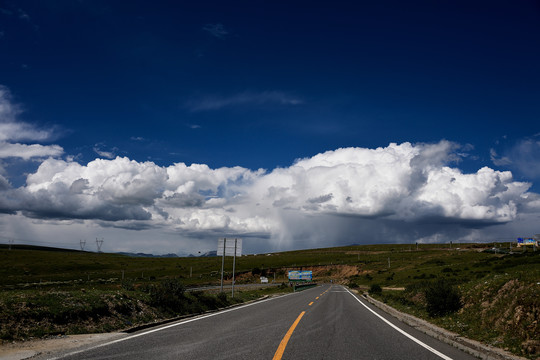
469 346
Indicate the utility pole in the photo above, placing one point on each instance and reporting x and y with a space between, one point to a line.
82 243
99 243
11 241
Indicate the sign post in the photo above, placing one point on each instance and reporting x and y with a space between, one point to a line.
234 265
228 249
222 261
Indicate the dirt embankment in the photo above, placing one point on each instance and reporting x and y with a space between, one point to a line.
324 273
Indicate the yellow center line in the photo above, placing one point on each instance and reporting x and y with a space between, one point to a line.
283 344
317 298
311 303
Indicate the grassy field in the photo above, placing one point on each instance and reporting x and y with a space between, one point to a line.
90 292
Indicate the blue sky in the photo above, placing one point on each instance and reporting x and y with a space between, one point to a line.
260 85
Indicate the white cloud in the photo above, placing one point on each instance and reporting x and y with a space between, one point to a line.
396 193
12 129
523 157
28 152
499 161
98 149
245 98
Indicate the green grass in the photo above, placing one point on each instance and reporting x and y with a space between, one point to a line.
499 291
500 296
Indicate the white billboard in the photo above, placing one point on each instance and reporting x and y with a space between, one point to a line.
229 247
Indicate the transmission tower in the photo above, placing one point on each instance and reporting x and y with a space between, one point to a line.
82 242
99 243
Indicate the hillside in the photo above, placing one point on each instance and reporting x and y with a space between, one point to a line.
55 291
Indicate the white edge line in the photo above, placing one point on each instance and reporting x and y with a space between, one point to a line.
402 331
166 327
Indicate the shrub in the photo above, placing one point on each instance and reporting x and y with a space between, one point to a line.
222 297
375 289
169 294
442 298
128 285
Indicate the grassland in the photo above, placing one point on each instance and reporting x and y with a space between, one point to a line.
74 292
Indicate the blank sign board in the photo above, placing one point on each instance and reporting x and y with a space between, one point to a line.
229 247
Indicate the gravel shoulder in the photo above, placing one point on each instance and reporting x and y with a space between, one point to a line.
43 347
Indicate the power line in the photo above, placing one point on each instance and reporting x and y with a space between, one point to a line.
99 244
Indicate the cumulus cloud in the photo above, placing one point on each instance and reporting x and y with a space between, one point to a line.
406 182
397 192
245 98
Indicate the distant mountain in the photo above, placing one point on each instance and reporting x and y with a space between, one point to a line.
209 253
37 248
147 255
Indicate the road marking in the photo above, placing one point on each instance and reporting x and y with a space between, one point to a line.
283 343
317 298
167 327
402 331
311 303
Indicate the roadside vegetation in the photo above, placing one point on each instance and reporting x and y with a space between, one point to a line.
480 291
492 298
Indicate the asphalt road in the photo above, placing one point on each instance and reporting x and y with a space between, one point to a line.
326 322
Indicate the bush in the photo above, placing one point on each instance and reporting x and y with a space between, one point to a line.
169 294
375 289
222 297
442 298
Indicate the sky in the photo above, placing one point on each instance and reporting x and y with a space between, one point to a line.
160 127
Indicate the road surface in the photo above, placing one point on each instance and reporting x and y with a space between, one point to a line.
325 322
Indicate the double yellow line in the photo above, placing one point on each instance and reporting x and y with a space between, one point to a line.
283 344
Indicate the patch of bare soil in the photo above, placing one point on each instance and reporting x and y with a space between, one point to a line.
36 348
